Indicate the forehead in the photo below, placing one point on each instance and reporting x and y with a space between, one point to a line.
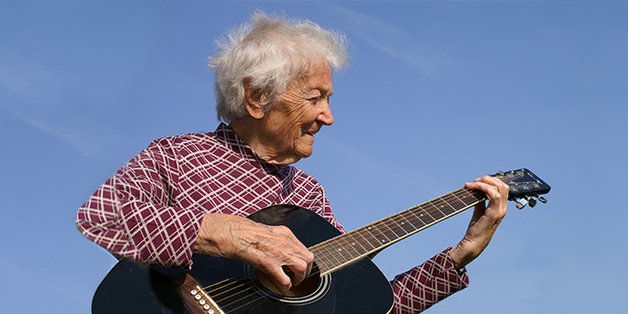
314 76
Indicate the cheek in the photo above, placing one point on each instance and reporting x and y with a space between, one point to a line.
296 118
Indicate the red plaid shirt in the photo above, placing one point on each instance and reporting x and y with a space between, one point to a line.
151 209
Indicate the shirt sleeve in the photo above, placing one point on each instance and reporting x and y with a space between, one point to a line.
132 214
427 284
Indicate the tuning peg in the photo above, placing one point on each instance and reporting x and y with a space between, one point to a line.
521 203
531 201
542 199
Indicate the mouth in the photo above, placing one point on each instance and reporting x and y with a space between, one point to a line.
310 133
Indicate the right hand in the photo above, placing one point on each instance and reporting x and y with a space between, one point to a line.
270 249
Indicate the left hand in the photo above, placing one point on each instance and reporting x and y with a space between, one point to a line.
484 221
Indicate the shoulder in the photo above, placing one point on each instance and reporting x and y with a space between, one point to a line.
186 139
304 179
184 144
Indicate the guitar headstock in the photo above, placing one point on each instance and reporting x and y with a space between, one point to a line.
525 187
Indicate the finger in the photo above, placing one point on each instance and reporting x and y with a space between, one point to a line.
301 267
501 186
280 279
497 207
310 264
490 190
299 250
478 211
297 272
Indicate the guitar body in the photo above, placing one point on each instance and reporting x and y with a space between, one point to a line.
134 288
350 282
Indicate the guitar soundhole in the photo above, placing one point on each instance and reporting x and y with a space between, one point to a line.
310 290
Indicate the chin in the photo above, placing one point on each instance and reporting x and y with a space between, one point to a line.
304 153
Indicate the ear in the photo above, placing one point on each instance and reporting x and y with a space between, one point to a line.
254 99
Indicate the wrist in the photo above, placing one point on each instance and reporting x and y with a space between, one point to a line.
209 239
458 257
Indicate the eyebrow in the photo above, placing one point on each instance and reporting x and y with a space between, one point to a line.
326 92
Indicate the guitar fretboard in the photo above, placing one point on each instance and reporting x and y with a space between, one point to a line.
345 249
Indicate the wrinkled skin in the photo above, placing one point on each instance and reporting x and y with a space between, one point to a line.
484 221
283 135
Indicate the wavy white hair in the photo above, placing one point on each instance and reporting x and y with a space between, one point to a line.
270 52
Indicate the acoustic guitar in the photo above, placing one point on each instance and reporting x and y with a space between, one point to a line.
343 280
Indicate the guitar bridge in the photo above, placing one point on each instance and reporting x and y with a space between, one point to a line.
205 302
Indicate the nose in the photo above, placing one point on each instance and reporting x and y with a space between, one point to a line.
325 116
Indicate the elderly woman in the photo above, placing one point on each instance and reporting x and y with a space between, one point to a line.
191 193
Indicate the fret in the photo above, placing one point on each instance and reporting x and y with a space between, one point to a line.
411 222
434 210
472 196
365 240
361 242
405 224
390 224
349 246
421 215
379 236
455 202
442 205
448 205
323 257
336 259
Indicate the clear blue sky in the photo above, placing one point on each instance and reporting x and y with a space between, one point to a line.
437 93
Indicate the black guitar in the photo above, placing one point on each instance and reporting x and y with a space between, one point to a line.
343 281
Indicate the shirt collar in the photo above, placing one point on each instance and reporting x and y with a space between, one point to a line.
228 137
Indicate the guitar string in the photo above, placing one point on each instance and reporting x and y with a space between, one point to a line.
240 301
227 307
237 283
213 290
431 211
434 209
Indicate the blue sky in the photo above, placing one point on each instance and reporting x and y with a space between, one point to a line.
437 93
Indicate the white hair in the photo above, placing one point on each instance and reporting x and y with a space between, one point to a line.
270 52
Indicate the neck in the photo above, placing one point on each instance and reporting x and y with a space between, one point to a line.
347 248
247 130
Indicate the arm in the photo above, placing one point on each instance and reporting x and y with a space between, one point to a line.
132 216
440 276
272 249
427 284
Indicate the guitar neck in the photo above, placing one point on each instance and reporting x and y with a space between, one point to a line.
347 248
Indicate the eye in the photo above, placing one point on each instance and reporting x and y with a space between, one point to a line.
315 100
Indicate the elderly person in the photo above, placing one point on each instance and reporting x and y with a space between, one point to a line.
191 193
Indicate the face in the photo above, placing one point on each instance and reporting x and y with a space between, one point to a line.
289 127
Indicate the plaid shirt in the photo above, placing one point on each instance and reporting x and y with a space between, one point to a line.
151 209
